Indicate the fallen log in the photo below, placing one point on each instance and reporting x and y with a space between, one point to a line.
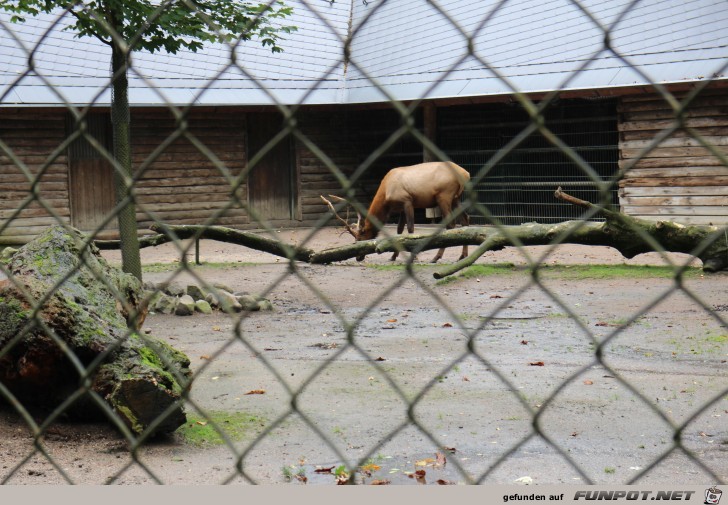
68 338
628 235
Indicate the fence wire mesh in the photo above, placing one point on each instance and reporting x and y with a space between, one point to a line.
362 372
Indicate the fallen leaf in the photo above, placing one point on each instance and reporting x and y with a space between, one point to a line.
271 349
440 459
450 449
465 378
447 325
323 469
201 423
302 478
419 475
342 477
381 482
204 356
424 462
524 342
391 320
256 392
216 328
380 359
574 434
588 382
496 296
369 468
444 482
537 363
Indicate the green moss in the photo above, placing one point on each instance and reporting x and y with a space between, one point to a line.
131 419
12 317
150 358
201 431
149 354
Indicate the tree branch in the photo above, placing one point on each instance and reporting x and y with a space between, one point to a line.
630 236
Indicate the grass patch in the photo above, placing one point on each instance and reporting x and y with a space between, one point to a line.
477 271
615 271
388 267
576 272
718 339
176 265
200 432
711 344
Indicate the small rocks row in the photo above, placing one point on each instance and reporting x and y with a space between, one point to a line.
186 300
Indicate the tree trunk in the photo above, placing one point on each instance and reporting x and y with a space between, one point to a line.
120 122
67 337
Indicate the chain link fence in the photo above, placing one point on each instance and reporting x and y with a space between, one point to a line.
530 367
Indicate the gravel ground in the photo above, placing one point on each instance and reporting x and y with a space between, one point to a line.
458 369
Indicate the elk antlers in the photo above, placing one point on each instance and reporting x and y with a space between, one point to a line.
351 228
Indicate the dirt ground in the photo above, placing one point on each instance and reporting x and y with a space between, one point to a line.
511 379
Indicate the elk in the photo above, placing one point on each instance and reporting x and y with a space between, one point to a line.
404 189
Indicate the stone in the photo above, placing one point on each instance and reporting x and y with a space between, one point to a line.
203 307
224 287
172 289
196 292
212 300
138 376
185 306
7 253
227 301
248 303
165 304
265 304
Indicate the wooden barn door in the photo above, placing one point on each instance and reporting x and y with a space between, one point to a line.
272 181
91 177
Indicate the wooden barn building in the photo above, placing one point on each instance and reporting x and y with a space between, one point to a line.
614 109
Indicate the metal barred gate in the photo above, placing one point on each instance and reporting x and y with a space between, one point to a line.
520 189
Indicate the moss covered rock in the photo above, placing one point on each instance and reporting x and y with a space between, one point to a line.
68 324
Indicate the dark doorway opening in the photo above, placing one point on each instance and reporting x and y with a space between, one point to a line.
91 175
272 180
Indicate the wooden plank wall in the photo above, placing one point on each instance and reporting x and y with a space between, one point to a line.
344 138
680 179
183 184
31 135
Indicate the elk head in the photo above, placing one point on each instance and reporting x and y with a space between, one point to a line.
353 229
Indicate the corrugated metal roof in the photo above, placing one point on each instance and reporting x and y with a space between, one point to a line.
532 46
404 49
